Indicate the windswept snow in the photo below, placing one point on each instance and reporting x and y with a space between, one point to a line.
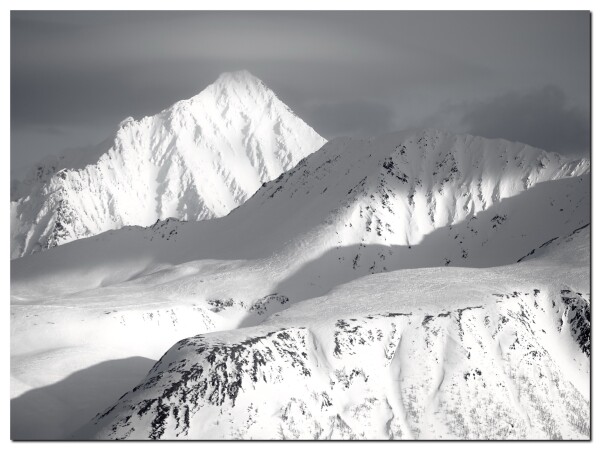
430 198
419 285
411 354
390 356
196 160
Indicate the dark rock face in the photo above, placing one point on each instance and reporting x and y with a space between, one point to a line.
578 316
215 375
263 304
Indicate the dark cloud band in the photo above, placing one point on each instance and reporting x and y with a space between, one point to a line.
75 75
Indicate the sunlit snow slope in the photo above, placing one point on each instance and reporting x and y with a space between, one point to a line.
335 301
196 160
438 353
403 200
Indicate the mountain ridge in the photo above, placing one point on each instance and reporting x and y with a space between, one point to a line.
323 206
301 314
438 360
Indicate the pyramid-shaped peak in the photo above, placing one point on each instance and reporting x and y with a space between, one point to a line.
240 84
213 151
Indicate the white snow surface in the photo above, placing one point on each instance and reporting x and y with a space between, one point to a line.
419 285
196 160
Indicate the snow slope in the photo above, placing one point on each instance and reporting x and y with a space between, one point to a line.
196 160
342 203
300 255
413 354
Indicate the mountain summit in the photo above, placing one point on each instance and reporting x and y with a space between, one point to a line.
196 160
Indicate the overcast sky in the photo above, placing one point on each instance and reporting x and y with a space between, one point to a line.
518 75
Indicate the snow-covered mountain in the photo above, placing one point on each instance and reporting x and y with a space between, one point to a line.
196 160
439 353
334 302
355 207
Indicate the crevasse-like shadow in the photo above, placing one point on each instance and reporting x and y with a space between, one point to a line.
56 411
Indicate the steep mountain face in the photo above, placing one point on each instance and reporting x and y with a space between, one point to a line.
397 189
196 160
414 354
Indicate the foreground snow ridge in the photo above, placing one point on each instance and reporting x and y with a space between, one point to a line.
479 372
196 160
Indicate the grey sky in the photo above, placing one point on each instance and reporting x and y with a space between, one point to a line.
518 75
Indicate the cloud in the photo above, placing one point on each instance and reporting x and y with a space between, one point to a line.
49 130
355 118
540 117
344 72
